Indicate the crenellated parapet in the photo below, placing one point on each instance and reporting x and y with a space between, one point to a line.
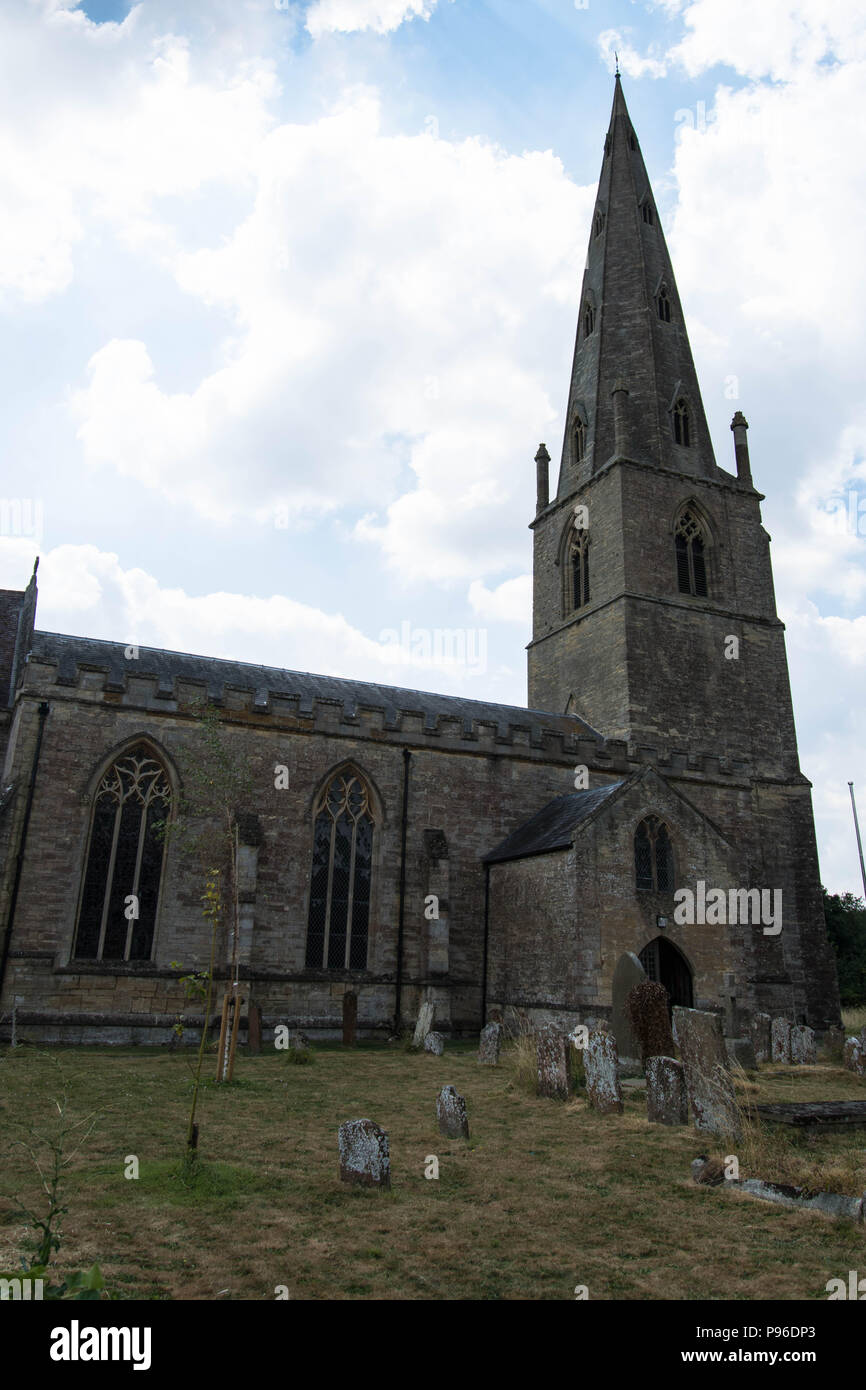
165 683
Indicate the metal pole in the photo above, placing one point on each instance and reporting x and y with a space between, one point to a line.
859 841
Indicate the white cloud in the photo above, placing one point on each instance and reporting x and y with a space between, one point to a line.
614 43
83 590
510 601
776 38
349 16
398 327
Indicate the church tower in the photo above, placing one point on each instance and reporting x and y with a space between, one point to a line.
654 612
654 615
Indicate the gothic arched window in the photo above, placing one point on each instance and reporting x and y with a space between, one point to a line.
579 568
663 304
588 319
579 439
647 212
653 857
682 432
339 916
599 222
691 555
125 855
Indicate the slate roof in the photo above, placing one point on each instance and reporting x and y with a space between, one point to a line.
70 654
553 826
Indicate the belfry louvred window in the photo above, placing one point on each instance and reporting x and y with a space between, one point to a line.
653 857
125 854
339 915
691 555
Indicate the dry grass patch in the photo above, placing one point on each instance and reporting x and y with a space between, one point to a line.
543 1197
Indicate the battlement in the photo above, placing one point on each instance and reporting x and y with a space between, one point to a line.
175 683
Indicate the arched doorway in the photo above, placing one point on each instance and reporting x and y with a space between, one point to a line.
662 961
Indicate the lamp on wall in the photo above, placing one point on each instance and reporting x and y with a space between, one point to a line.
661 923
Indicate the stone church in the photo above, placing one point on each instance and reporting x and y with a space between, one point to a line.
508 862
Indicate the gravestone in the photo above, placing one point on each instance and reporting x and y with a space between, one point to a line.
667 1101
489 1044
364 1154
553 1059
350 1018
742 1050
451 1114
780 1040
435 1043
297 1039
628 972
854 1057
804 1053
647 1005
424 1023
600 1069
254 1030
760 1032
708 1080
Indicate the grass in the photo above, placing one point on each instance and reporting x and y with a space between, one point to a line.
544 1196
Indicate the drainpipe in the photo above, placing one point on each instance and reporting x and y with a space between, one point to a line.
19 863
403 826
486 937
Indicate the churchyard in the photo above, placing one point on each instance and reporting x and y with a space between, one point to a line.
546 1196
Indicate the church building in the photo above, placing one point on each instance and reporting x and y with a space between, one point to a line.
645 813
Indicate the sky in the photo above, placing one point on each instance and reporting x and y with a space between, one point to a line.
288 293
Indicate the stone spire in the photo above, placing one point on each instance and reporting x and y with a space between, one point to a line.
632 360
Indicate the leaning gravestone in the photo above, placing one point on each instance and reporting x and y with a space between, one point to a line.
451 1114
667 1100
553 1059
780 1039
364 1155
628 972
854 1057
803 1050
435 1043
760 1032
705 1063
489 1044
600 1069
424 1023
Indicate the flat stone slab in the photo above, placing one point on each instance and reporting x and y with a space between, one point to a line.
831 1203
817 1115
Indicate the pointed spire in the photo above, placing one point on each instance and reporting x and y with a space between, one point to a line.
634 390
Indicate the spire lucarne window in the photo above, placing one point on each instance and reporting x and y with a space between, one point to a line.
125 854
579 439
690 553
682 431
338 921
578 552
663 304
588 318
